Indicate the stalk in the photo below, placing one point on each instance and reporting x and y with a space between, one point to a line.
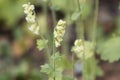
80 29
95 22
54 23
93 65
53 14
54 58
54 49
46 16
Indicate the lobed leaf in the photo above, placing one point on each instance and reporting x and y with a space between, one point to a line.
110 50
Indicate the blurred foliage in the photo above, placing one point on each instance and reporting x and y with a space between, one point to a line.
5 76
11 10
99 71
21 69
5 49
110 49
21 72
60 64
18 33
75 15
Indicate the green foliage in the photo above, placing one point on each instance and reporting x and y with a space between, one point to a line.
68 78
5 48
5 76
11 10
54 70
41 44
86 9
99 71
47 68
75 15
110 49
56 64
59 4
18 34
89 49
21 69
36 75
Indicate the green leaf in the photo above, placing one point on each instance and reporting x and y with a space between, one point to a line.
41 44
99 71
75 15
58 60
59 5
47 69
86 9
110 50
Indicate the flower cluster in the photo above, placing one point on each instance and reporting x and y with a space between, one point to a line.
78 47
30 17
59 32
83 50
29 11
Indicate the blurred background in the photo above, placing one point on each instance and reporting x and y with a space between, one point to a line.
19 56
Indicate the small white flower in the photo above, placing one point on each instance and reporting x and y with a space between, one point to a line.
30 18
61 22
32 7
25 5
57 44
28 7
78 49
32 27
78 42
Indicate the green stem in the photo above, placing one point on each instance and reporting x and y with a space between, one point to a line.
54 58
80 29
94 38
73 66
95 21
78 4
46 17
93 68
54 17
53 14
54 49
45 12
